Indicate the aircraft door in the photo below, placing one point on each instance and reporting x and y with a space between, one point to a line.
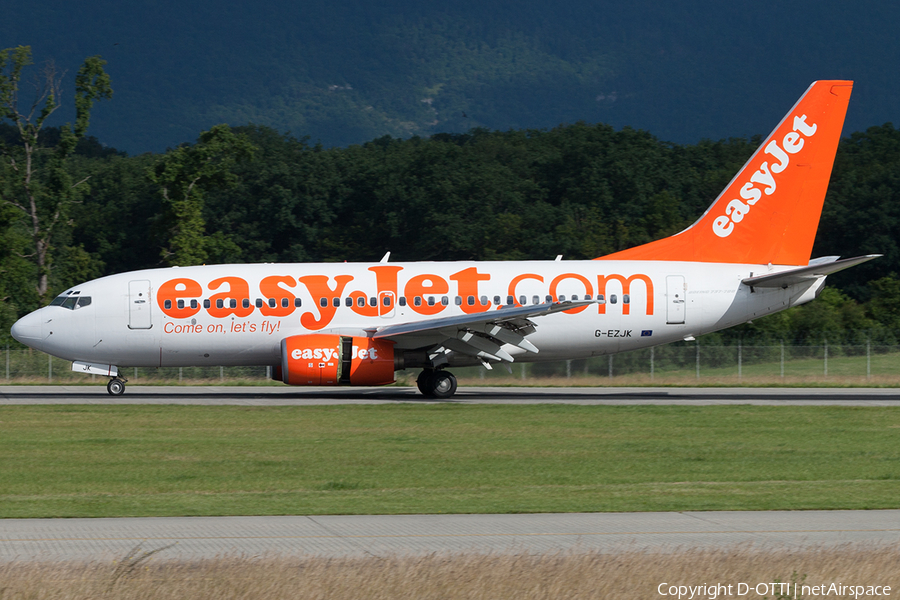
139 304
675 299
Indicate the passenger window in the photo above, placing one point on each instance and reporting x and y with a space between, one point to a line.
601 299
259 303
402 300
245 302
470 300
348 302
219 303
167 304
523 300
626 298
510 300
297 302
485 301
430 300
206 303
271 302
536 300
323 302
386 301
548 298
180 304
360 302
612 299
373 301
496 300
193 303
445 300
284 303
417 300
335 302
562 297
233 303
574 297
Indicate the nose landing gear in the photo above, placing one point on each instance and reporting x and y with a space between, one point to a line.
116 386
436 384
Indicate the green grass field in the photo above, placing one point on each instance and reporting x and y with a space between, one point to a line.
68 461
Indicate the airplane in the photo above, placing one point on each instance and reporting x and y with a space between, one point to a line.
330 324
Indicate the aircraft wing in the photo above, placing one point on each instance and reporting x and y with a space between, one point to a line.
817 268
480 335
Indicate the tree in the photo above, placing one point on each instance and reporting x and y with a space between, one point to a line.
36 182
183 174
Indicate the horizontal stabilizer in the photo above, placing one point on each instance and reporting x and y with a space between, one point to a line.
802 274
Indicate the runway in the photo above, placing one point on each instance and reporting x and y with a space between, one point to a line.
286 396
188 538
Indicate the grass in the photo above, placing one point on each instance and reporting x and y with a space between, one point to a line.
622 575
93 461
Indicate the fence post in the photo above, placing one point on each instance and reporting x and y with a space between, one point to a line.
651 362
180 374
569 369
740 372
221 374
868 360
7 361
698 360
49 368
826 357
610 365
135 373
782 359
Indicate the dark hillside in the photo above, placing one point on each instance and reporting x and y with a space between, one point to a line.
347 71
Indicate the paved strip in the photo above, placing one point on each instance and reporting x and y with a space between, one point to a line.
287 396
337 536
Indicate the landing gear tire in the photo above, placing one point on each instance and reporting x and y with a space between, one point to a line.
436 384
423 381
115 387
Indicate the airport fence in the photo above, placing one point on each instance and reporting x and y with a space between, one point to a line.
684 363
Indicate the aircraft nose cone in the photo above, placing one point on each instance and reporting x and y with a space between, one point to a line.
27 329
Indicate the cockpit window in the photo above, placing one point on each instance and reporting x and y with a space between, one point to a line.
71 302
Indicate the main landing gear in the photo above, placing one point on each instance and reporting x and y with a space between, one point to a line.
436 384
116 386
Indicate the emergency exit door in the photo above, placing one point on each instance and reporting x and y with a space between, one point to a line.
675 299
139 304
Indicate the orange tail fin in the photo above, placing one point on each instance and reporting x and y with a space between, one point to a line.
770 211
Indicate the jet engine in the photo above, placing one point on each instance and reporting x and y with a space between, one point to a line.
328 359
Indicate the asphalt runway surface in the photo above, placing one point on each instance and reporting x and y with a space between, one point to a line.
362 535
285 396
188 538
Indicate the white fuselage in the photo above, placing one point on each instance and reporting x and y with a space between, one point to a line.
223 314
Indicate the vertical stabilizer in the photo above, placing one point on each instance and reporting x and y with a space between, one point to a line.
770 211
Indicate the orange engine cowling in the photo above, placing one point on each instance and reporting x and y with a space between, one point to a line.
328 359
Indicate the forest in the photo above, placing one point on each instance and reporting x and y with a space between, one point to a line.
254 194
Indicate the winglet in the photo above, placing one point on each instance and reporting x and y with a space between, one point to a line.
770 211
